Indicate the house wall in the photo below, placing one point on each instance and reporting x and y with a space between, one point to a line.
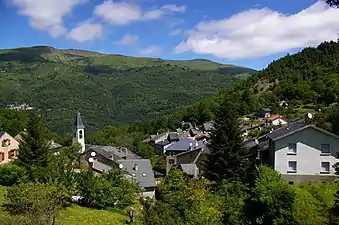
308 155
188 157
278 122
4 150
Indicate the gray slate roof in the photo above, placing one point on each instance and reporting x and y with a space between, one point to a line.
78 122
293 128
249 144
107 151
190 169
101 167
184 145
144 175
284 131
173 136
1 133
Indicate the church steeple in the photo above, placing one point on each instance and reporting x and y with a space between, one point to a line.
78 122
79 132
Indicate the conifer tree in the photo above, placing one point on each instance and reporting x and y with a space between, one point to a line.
230 160
34 146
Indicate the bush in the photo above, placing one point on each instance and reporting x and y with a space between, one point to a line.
35 202
111 190
11 174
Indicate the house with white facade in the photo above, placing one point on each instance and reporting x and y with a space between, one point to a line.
301 153
275 120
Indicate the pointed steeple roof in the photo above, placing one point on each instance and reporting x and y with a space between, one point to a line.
78 122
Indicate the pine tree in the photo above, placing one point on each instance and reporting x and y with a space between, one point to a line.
230 160
34 147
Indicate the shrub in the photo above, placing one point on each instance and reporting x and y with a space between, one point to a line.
34 202
11 174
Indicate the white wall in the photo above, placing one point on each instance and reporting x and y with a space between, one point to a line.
308 155
278 122
149 194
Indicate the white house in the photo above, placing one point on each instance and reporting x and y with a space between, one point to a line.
275 120
302 153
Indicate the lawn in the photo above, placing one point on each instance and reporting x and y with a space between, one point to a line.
77 215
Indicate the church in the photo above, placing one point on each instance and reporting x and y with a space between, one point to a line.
103 158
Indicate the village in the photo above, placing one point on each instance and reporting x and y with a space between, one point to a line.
282 144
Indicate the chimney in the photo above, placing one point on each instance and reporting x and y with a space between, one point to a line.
136 167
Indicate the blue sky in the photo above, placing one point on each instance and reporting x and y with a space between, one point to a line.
249 33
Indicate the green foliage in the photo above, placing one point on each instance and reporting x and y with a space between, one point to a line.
230 160
110 190
182 201
233 196
271 200
60 168
11 174
34 202
117 89
34 147
12 121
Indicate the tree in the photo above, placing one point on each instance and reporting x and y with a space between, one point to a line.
34 147
230 159
334 3
34 203
271 200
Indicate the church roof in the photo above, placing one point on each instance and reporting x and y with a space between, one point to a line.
78 122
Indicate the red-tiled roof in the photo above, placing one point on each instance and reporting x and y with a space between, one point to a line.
274 117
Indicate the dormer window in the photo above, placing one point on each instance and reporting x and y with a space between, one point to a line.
80 134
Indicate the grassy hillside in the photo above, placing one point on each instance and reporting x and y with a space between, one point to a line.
77 215
207 65
106 89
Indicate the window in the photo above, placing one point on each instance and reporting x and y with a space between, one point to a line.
292 167
80 134
325 149
171 161
2 156
292 148
291 182
325 167
6 143
11 154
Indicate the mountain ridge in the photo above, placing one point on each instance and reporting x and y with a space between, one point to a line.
107 89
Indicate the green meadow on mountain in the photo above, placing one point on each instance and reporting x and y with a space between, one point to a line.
106 89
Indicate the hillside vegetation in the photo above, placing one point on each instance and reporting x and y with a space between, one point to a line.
106 89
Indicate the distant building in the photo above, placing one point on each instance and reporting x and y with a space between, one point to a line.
101 159
9 148
275 120
264 113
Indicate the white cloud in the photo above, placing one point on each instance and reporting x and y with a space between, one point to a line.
121 13
47 15
174 8
176 32
128 39
85 32
151 51
261 32
118 12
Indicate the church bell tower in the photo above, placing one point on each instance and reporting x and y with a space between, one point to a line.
79 133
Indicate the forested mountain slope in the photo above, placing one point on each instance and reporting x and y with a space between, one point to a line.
106 89
308 80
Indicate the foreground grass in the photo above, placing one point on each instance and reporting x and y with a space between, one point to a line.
77 215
